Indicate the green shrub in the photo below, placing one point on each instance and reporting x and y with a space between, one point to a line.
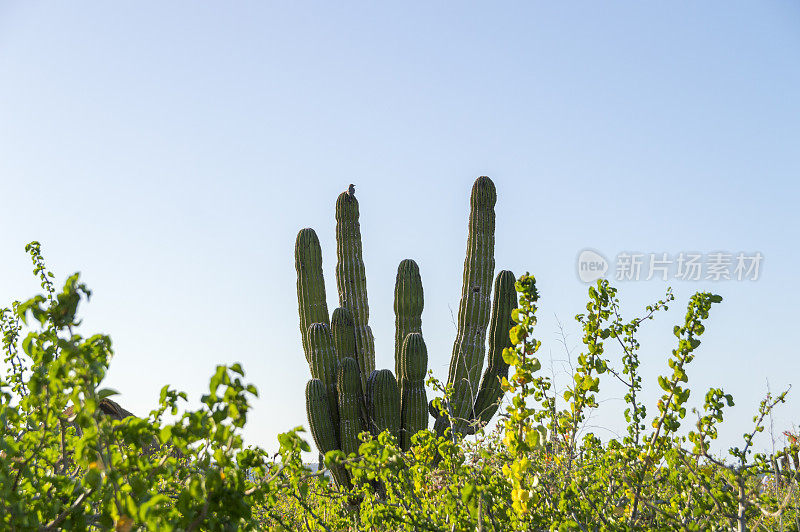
71 459
65 464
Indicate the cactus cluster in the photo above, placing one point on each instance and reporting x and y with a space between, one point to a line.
346 395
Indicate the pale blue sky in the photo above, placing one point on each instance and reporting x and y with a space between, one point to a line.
171 152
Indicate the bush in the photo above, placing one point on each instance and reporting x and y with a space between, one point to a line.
71 458
65 463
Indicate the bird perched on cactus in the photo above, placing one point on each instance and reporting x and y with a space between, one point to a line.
351 190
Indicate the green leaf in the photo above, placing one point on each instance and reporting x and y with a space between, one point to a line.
106 392
165 434
510 356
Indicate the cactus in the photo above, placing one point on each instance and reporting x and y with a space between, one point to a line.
325 435
504 301
310 284
349 389
383 403
341 352
408 305
324 361
414 411
351 279
473 311
489 393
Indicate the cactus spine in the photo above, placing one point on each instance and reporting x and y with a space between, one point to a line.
414 411
473 311
349 387
351 280
504 302
310 284
383 403
408 305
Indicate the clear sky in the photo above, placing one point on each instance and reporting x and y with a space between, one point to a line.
171 152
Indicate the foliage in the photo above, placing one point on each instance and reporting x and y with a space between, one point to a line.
541 470
76 468
66 464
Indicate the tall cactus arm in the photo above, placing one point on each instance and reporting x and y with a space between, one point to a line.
310 283
351 280
504 302
473 311
348 383
408 304
383 403
324 361
322 428
414 402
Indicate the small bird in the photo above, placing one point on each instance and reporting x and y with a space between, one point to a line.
351 190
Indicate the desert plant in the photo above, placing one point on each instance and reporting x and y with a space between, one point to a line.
472 401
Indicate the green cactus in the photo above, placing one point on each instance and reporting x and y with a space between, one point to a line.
350 398
473 312
408 305
489 393
341 352
383 403
351 280
504 302
324 361
325 435
414 411
310 284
